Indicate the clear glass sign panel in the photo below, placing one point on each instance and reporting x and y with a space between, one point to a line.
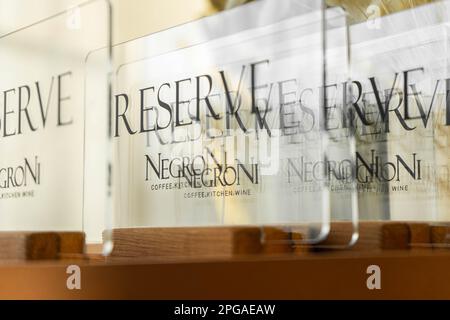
50 91
219 122
400 102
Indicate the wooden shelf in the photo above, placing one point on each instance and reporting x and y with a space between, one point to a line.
232 263
331 275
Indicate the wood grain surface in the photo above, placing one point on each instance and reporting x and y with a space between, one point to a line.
40 245
372 236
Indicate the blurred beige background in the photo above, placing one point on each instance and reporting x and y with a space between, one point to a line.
135 18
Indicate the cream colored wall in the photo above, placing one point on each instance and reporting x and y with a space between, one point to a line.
131 18
135 18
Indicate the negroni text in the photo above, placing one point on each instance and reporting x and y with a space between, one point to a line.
21 175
